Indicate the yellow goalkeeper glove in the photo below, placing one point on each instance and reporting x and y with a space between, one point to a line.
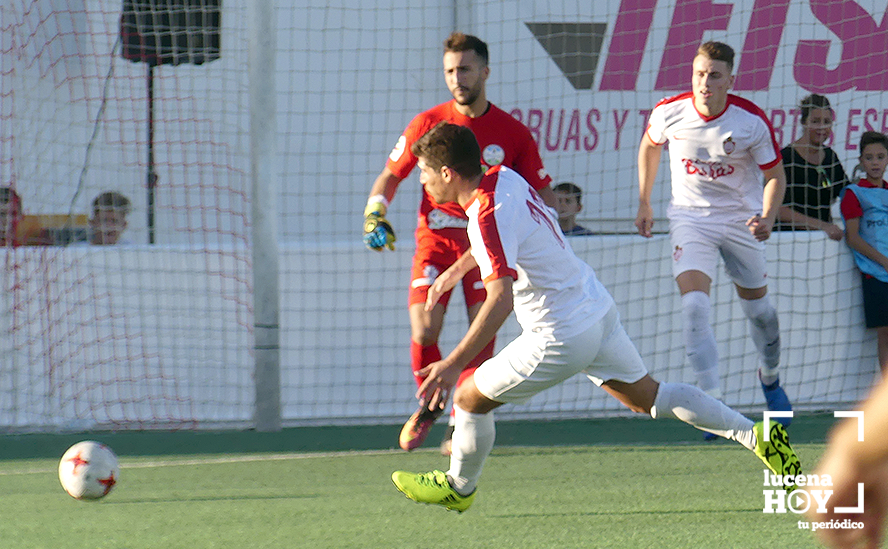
378 233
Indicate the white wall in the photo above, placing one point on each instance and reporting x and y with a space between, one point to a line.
138 336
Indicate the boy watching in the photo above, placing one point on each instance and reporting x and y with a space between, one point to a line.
865 210
569 203
108 221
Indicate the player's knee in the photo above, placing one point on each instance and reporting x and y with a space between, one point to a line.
424 336
760 312
468 398
695 308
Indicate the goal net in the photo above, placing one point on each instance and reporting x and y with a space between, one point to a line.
150 99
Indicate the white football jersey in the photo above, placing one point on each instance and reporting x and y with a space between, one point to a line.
716 163
513 233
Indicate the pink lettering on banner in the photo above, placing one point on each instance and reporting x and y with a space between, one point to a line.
593 131
864 44
627 45
849 144
875 120
690 20
761 44
582 130
778 119
619 122
555 135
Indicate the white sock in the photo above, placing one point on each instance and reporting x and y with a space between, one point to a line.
765 331
473 436
691 405
699 339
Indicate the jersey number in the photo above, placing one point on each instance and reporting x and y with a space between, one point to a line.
538 213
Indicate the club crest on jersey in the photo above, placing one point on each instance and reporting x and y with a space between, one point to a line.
493 155
729 145
676 255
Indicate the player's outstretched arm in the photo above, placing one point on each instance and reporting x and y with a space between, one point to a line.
440 377
378 232
648 161
447 280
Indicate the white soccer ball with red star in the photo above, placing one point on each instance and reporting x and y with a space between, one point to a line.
88 470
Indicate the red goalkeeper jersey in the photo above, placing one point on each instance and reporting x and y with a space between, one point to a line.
503 140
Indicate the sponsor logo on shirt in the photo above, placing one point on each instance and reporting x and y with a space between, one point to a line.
437 219
493 155
399 149
712 170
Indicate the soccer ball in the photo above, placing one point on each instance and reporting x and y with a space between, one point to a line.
88 470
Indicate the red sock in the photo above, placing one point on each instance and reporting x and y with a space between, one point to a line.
422 356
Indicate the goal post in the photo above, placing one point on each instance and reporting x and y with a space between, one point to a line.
263 183
257 305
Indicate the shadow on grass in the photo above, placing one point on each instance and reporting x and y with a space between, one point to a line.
630 513
195 498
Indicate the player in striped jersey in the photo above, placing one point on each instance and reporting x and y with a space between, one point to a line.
569 325
719 147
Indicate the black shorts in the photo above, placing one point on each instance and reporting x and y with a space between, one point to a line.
875 302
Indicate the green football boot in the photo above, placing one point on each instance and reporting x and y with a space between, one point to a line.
431 488
776 452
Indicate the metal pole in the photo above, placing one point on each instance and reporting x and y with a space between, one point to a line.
151 182
263 183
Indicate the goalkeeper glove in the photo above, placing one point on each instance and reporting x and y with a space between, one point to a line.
378 233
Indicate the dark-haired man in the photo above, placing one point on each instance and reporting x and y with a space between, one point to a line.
441 232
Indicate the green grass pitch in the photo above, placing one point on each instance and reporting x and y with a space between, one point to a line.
630 495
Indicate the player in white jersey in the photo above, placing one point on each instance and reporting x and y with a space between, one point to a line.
569 325
719 147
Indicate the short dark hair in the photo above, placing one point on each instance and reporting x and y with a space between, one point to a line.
718 51
569 188
8 194
868 138
450 145
458 42
811 102
111 200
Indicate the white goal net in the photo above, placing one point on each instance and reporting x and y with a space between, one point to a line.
150 99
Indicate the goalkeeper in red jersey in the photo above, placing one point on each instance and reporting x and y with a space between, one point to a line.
441 238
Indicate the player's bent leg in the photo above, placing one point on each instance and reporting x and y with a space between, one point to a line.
425 327
765 331
693 406
474 433
638 396
699 338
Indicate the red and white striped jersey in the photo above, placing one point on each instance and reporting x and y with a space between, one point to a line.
513 233
716 162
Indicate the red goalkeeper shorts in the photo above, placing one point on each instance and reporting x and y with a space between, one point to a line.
435 252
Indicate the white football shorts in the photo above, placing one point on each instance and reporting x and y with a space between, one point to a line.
697 244
534 362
